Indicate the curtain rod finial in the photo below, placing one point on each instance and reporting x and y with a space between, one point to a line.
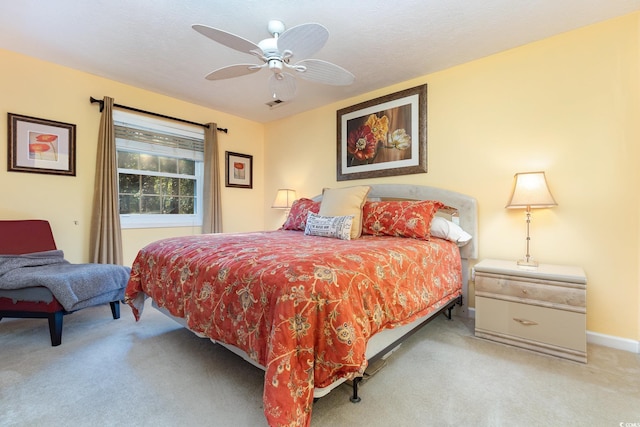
99 101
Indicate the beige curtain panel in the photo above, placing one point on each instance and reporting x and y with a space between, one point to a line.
212 211
106 233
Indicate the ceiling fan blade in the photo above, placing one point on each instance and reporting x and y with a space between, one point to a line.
227 39
282 86
233 71
303 40
319 71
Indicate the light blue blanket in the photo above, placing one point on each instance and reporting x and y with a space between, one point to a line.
75 286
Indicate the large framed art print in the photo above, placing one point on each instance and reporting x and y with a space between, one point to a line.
386 136
41 146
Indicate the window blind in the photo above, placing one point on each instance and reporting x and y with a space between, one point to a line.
155 138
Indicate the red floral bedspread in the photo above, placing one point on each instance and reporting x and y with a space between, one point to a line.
302 306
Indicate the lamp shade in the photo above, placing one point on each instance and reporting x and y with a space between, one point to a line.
284 199
530 190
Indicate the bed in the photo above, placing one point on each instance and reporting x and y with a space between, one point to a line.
311 310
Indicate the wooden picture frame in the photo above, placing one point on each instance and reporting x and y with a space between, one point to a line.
41 146
386 136
238 170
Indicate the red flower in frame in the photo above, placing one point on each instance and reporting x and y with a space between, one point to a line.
361 143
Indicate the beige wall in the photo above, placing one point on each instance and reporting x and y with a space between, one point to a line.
39 89
569 106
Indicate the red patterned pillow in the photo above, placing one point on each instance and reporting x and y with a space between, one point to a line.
406 218
297 219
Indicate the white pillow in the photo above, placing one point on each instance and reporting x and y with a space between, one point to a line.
329 226
445 229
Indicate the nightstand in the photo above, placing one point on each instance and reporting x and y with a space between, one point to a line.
541 309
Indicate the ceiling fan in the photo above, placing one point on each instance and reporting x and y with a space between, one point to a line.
283 54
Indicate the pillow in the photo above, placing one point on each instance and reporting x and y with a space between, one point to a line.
329 226
405 218
297 218
445 229
345 201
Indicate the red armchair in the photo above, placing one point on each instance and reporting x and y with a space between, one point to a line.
19 237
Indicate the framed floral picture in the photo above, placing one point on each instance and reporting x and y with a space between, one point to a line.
239 170
41 146
386 136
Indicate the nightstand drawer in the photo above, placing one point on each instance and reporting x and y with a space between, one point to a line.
568 296
531 323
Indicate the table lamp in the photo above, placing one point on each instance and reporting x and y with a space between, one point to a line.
530 191
284 199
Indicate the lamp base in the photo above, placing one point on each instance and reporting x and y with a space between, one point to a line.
527 263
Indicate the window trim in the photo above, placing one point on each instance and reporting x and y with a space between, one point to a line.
131 221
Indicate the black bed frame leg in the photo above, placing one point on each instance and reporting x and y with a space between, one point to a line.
448 312
355 398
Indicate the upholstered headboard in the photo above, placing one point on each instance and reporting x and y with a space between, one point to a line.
466 206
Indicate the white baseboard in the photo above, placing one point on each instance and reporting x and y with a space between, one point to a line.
611 341
625 344
471 312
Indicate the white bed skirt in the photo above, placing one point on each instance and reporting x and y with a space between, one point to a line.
377 343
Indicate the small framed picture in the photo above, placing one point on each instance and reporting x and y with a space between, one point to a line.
239 170
41 146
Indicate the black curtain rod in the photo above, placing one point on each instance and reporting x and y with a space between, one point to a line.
137 110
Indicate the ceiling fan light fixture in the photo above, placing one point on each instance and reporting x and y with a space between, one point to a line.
275 65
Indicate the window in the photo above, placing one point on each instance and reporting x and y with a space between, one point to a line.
160 172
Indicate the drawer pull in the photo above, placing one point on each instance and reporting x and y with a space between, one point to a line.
525 322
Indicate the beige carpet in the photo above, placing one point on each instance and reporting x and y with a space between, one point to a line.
154 373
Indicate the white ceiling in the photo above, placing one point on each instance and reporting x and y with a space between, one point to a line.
150 43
